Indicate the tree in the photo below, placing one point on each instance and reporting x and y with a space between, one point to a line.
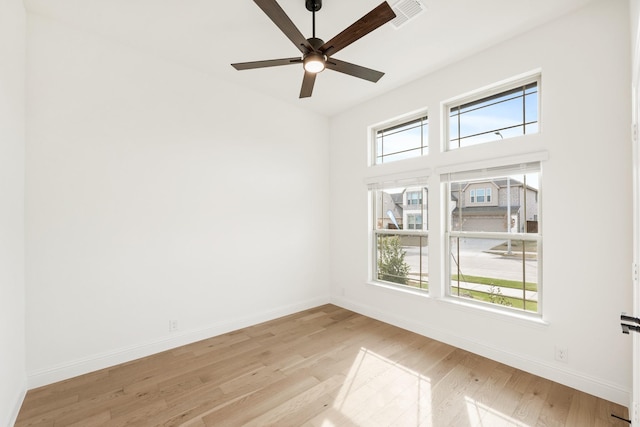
391 264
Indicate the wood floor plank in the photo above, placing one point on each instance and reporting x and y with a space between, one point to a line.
327 366
260 401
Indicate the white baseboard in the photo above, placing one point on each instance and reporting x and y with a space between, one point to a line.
578 380
595 386
96 362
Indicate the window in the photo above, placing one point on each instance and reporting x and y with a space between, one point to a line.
506 114
487 233
414 197
402 141
493 252
400 237
414 222
480 195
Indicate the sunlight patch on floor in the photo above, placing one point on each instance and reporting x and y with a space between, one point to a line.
405 396
481 415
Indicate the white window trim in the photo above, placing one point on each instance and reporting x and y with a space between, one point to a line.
498 162
409 178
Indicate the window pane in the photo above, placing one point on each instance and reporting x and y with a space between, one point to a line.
414 197
531 108
530 203
532 128
403 260
514 202
494 117
402 208
402 141
487 119
407 139
495 271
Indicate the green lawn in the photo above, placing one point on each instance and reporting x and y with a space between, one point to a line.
483 296
529 286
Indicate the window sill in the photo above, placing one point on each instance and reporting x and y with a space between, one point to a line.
424 293
528 319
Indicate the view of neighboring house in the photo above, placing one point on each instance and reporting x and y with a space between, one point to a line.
475 206
487 205
413 212
403 209
389 213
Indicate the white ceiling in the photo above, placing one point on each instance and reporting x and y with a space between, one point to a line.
210 35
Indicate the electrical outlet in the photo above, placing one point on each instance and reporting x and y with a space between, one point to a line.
173 325
562 354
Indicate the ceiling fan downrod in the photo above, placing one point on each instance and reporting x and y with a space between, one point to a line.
313 6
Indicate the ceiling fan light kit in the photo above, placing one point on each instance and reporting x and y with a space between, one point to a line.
316 54
314 62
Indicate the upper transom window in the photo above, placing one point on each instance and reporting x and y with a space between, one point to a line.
511 112
402 141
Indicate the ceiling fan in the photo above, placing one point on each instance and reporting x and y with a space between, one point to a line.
316 54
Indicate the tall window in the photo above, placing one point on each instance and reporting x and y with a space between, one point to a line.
400 238
487 233
493 250
402 141
510 113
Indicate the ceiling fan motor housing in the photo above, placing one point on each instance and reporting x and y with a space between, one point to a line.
313 5
315 43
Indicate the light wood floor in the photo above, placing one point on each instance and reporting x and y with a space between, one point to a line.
321 367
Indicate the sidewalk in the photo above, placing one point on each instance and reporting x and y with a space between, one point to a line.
508 292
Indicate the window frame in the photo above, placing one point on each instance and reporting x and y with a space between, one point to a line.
375 232
399 122
484 94
448 234
428 169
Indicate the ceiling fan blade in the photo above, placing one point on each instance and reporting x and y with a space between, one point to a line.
273 10
353 70
267 63
363 26
307 84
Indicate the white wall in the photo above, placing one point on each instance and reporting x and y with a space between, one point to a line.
156 193
13 382
584 59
